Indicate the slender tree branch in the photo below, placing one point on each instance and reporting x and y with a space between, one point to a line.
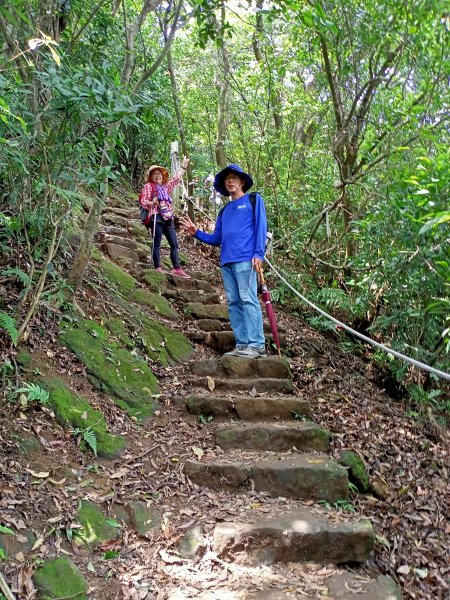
149 72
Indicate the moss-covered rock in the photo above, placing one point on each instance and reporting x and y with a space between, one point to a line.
96 254
357 472
60 578
193 542
123 281
73 412
154 301
155 281
118 327
144 518
95 527
114 370
161 343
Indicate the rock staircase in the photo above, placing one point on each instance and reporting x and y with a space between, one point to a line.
269 444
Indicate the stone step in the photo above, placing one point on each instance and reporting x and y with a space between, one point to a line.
106 238
116 252
111 218
267 385
297 536
128 213
209 324
197 296
221 341
285 408
304 476
318 583
118 231
350 586
190 284
239 367
207 311
209 277
303 436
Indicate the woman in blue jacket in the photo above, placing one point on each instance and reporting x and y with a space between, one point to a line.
240 231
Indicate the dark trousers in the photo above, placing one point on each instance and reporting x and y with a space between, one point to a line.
168 229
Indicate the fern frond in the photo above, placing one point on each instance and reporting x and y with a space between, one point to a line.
91 439
34 392
10 326
21 275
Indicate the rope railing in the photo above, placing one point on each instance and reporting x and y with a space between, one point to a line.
365 338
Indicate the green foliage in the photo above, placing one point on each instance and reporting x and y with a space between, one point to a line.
9 325
18 273
341 505
34 392
205 420
6 530
88 436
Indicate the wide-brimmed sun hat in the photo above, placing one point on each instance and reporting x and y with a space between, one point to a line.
219 179
165 173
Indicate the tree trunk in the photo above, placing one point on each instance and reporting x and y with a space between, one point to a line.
184 146
222 109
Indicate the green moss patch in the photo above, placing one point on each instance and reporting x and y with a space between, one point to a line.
95 526
357 472
155 301
73 412
155 281
113 369
128 286
60 578
118 328
160 342
124 282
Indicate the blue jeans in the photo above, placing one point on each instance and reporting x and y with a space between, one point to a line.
244 309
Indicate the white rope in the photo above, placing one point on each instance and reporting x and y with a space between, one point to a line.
412 361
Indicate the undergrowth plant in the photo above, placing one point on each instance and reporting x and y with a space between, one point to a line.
86 435
31 392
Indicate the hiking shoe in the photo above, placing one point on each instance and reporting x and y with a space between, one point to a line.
159 270
235 352
180 273
252 352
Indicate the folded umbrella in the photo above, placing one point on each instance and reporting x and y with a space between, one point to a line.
269 309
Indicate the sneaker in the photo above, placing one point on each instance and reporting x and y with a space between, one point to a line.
159 270
180 273
252 352
235 351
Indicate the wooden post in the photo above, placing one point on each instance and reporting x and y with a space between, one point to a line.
174 167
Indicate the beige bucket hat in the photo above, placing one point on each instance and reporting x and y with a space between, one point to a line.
165 173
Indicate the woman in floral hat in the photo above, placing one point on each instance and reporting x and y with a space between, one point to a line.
155 198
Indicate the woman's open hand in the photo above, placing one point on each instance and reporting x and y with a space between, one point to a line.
187 225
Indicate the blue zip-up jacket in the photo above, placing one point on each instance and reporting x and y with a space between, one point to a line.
240 231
